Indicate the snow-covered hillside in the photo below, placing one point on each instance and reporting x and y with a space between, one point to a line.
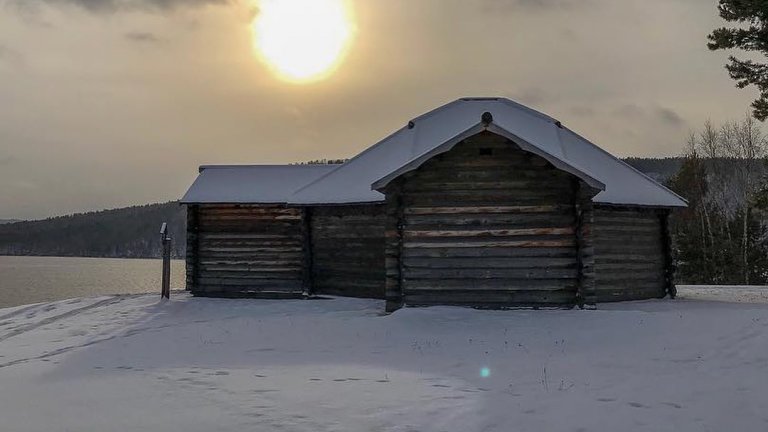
132 363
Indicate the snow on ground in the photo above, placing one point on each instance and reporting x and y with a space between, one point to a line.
133 363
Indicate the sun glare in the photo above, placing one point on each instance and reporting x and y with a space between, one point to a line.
303 40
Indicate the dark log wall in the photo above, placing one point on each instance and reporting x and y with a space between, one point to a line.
630 255
246 250
485 224
192 250
348 250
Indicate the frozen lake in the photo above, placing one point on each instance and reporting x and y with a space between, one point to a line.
29 279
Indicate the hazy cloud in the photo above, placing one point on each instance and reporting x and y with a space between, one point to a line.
629 111
111 6
669 116
664 115
540 5
533 96
143 37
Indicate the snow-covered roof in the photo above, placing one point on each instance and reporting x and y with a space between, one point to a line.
359 179
439 130
267 184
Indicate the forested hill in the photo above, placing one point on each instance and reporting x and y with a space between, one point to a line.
133 232
660 169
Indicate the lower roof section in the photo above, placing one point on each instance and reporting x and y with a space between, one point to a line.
251 184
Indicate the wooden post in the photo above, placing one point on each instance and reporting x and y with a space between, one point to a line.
393 250
586 295
307 261
165 291
192 258
669 258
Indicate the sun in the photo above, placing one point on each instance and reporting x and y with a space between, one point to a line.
303 40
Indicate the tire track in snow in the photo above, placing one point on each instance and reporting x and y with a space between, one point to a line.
68 314
69 348
20 311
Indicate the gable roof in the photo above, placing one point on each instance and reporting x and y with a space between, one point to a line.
439 130
359 179
266 184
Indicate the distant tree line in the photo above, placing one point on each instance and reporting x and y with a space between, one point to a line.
722 237
131 232
321 162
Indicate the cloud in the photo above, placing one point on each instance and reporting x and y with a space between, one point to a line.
533 96
112 6
495 6
143 37
661 114
629 111
669 116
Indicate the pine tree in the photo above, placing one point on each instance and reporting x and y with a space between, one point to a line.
751 35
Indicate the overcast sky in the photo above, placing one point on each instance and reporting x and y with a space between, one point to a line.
107 103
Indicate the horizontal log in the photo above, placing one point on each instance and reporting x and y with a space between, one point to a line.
255 262
487 273
273 284
489 263
472 284
282 266
255 217
651 267
271 273
639 230
487 299
513 220
610 258
491 252
409 234
607 249
618 277
350 272
482 200
246 236
548 208
569 242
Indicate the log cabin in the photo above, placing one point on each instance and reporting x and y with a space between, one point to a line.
482 202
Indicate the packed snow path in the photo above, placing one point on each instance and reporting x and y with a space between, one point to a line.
132 363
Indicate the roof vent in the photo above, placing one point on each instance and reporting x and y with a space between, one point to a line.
486 118
411 124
